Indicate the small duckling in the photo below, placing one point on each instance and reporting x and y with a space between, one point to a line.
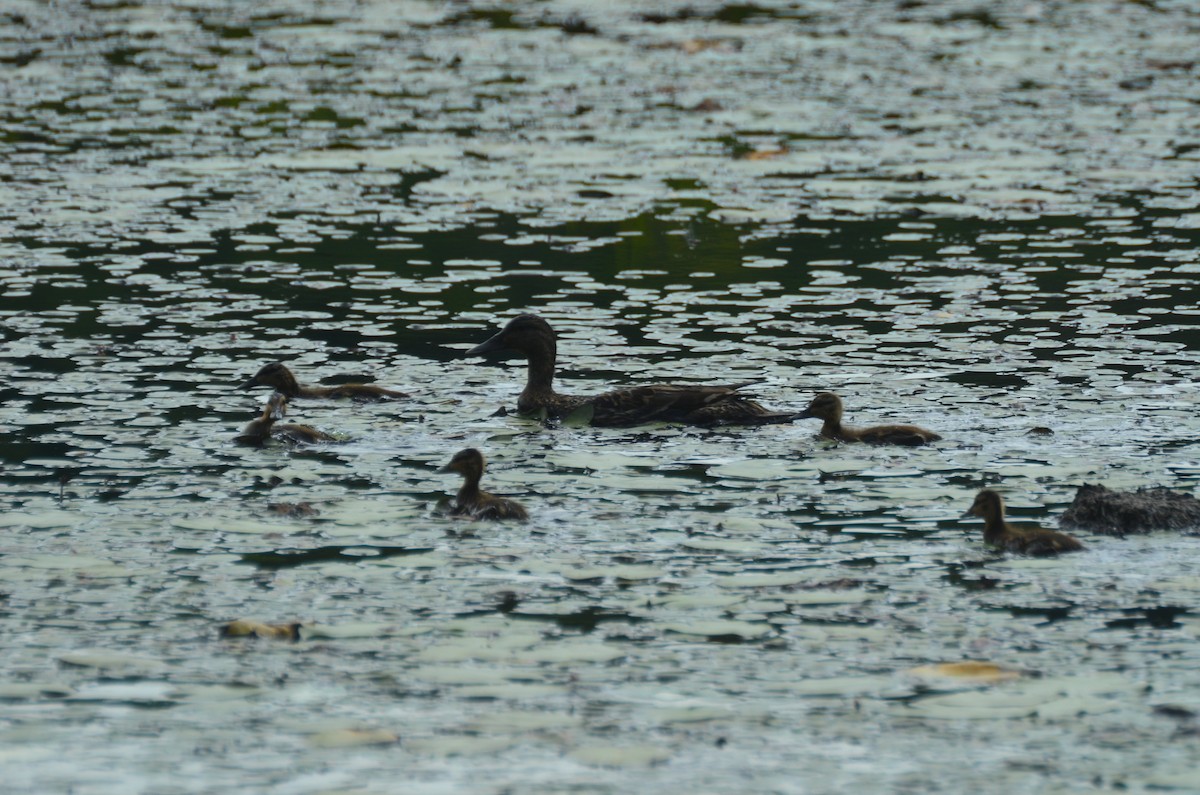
257 431
1028 540
278 376
473 503
828 407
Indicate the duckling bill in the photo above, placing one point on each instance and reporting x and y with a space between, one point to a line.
828 407
1027 540
278 376
471 501
533 338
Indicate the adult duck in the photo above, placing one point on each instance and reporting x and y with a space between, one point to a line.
1026 540
828 407
474 503
278 376
533 338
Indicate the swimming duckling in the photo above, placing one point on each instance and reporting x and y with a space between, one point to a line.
1028 540
471 501
828 406
690 404
257 431
278 376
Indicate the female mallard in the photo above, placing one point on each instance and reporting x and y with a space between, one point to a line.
828 406
1028 540
471 501
278 376
532 337
257 431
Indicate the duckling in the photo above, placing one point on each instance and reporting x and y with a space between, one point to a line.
257 431
1028 540
689 404
280 377
471 501
828 406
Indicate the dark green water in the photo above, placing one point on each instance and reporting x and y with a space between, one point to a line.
979 220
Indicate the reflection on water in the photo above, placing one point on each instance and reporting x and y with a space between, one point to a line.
910 205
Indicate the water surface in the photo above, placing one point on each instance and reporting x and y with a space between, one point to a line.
980 220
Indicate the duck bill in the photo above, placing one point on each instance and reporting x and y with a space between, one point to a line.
443 470
492 345
805 415
253 382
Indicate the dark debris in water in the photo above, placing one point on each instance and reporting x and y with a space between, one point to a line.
1160 617
285 559
1100 510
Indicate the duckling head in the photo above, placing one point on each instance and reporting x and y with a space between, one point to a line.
527 334
469 463
276 406
274 374
824 406
987 503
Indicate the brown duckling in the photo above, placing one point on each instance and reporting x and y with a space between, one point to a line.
257 431
1027 540
473 503
281 378
532 337
828 407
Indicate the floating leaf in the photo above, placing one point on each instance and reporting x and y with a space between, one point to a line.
242 628
970 670
352 738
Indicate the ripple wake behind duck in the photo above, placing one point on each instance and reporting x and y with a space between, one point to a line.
689 404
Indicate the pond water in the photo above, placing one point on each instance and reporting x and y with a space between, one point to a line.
981 219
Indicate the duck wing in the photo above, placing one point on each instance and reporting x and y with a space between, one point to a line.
905 435
1038 541
1051 543
685 403
361 392
490 508
302 434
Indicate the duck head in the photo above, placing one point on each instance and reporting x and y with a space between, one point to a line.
824 406
469 463
525 334
274 375
987 503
